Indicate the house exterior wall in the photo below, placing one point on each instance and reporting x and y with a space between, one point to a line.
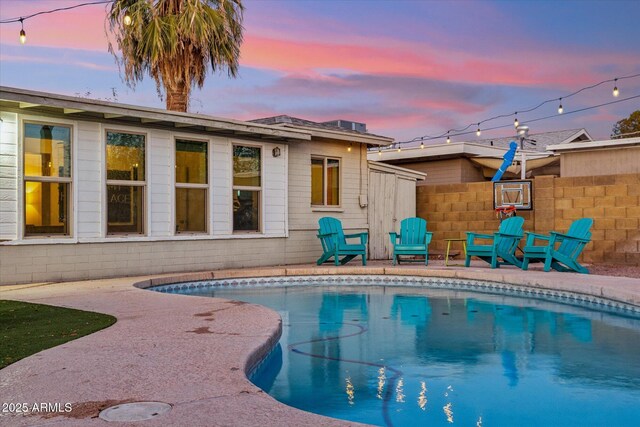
613 201
289 223
449 171
619 160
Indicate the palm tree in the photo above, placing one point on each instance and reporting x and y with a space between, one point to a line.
176 41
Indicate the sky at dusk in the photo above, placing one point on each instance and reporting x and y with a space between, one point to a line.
405 68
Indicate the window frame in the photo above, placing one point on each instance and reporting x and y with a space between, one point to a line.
259 189
46 179
205 186
124 183
325 175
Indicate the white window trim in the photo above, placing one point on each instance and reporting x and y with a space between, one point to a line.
146 217
324 207
260 190
21 203
207 187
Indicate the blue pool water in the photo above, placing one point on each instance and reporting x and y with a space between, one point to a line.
400 356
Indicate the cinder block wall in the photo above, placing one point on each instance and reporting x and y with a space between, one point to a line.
612 201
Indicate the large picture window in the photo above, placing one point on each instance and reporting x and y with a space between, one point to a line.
325 181
47 179
191 186
126 181
247 188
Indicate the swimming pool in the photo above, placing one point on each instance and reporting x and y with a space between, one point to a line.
411 352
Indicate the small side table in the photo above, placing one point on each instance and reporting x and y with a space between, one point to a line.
446 256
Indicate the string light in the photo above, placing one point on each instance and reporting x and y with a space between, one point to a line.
560 109
379 151
516 123
349 148
421 145
616 92
127 19
448 138
478 131
23 35
399 148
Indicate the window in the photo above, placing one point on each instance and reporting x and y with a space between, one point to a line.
47 179
247 186
191 186
325 181
125 183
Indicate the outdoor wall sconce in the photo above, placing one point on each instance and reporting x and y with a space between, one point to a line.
276 152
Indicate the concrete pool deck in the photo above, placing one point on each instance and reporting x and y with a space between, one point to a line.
192 352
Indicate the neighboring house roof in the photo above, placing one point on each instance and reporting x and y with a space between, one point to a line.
487 148
44 103
443 151
325 130
543 139
595 145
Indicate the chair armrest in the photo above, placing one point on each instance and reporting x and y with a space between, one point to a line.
479 235
566 236
393 236
323 235
531 238
363 237
428 237
518 236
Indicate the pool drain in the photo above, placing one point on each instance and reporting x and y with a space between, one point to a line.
136 411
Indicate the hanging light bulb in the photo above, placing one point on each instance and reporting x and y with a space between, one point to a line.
560 109
127 19
349 148
23 35
422 145
379 151
448 139
516 123
478 131
399 148
616 92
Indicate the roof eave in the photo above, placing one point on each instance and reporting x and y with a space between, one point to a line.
70 106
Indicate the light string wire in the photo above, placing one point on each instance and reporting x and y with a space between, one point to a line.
461 131
24 18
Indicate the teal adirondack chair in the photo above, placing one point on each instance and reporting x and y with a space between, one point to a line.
503 245
562 257
334 243
413 239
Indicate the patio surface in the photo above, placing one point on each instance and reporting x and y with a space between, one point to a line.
192 352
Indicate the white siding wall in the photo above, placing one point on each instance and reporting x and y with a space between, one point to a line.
289 222
274 190
160 180
8 176
89 195
88 172
220 175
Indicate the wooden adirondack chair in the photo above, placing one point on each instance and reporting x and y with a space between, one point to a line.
563 257
503 246
413 239
334 243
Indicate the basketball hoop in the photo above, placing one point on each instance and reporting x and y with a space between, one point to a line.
503 212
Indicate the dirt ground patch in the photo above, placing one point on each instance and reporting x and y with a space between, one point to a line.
615 270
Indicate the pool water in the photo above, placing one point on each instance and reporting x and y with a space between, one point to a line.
399 356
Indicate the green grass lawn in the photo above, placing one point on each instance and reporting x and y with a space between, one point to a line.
27 328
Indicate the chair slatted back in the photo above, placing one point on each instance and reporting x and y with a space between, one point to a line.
413 231
331 225
513 226
580 229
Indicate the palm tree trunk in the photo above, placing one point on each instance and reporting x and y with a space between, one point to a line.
177 97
